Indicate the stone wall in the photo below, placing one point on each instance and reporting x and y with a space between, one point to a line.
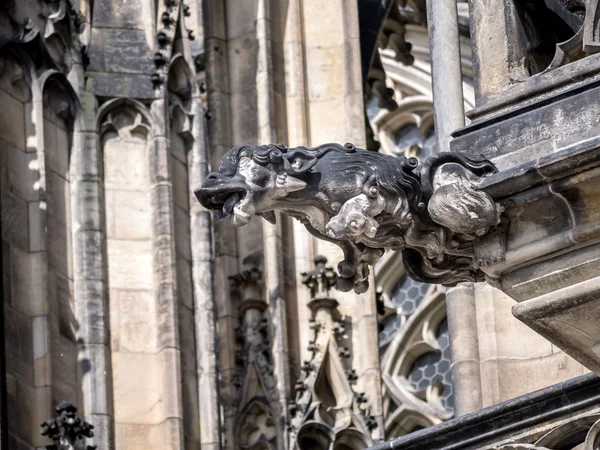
102 280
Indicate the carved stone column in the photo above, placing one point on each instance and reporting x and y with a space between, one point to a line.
442 22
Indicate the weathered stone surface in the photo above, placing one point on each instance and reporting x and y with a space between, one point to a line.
136 320
37 227
129 264
56 147
125 164
28 282
12 121
128 214
114 15
137 386
328 29
19 345
566 317
15 222
121 85
184 283
92 321
92 366
89 262
124 51
20 171
86 212
523 128
159 161
181 187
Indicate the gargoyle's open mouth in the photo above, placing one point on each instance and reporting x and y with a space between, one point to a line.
226 200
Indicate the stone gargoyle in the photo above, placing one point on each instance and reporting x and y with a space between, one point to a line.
365 202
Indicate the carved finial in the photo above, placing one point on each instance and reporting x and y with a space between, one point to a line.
321 280
67 428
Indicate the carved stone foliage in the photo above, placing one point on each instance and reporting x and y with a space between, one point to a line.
365 203
67 429
327 414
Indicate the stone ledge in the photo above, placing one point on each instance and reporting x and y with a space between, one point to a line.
524 416
569 318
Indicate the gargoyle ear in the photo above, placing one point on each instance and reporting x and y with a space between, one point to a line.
298 162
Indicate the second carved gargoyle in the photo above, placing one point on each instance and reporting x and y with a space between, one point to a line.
365 202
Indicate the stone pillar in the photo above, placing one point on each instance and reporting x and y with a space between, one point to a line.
449 115
297 134
165 280
225 244
40 315
203 291
272 233
464 345
89 275
442 22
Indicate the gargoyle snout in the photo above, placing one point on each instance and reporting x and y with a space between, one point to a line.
218 188
213 178
205 192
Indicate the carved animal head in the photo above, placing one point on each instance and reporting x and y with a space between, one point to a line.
342 194
251 178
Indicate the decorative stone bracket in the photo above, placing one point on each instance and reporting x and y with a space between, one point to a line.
447 228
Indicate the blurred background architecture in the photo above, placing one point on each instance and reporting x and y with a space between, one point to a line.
172 330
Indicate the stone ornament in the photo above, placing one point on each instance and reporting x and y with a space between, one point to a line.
365 202
67 429
320 280
328 412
